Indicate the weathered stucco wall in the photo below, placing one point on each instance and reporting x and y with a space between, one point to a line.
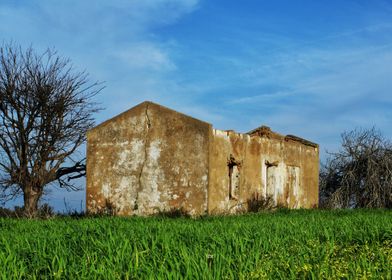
290 168
244 153
152 159
269 164
146 160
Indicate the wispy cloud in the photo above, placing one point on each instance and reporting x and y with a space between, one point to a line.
317 90
114 41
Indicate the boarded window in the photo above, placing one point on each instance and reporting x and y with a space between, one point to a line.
273 184
293 175
271 180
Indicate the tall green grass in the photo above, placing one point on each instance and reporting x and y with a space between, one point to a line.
298 244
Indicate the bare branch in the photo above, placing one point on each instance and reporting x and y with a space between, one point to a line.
360 174
45 110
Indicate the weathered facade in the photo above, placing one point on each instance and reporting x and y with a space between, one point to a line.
152 159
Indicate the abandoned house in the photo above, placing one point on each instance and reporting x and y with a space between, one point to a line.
152 159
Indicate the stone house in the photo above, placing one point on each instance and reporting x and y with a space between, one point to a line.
152 159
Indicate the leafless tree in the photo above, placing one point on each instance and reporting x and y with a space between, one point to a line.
45 110
360 174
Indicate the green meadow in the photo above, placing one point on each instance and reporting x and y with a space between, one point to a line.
296 244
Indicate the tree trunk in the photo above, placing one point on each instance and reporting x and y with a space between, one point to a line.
31 197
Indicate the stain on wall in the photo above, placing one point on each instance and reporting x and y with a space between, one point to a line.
152 159
147 160
283 167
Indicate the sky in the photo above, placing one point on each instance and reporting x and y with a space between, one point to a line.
308 68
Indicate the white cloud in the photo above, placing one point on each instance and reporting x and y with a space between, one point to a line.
145 55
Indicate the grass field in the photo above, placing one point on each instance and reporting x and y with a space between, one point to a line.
286 244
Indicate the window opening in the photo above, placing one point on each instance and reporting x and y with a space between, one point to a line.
234 177
293 173
271 178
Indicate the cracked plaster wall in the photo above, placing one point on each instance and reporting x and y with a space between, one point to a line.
293 178
151 159
147 160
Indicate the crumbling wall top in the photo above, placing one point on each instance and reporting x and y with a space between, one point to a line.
265 131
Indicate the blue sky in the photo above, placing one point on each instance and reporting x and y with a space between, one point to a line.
309 68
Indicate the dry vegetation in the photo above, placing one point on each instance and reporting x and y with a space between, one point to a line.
360 174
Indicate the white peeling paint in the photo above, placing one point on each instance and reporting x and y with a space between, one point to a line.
263 178
149 198
136 123
220 133
105 190
125 192
295 184
131 157
276 178
176 169
155 150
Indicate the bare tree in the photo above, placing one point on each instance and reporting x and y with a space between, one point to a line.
45 110
360 174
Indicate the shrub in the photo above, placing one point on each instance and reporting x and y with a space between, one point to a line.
259 203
